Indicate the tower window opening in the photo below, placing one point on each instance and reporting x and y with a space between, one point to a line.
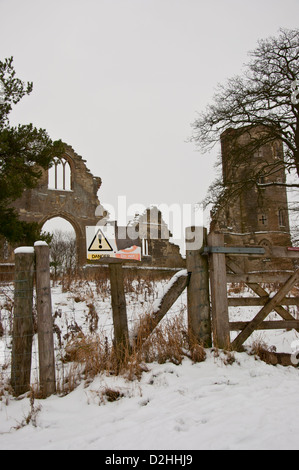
145 247
263 219
281 218
258 153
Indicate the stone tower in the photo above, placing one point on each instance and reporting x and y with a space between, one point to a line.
259 215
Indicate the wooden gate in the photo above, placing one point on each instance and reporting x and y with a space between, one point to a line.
223 269
209 268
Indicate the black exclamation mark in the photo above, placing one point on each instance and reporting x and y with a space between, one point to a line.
100 241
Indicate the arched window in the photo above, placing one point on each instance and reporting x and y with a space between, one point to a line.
277 150
281 218
59 175
265 243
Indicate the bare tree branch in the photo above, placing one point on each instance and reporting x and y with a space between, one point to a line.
260 97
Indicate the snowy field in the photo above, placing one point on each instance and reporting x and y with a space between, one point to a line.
226 402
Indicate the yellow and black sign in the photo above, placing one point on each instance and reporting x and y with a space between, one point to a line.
100 243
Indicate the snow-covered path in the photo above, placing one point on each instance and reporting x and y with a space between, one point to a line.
209 405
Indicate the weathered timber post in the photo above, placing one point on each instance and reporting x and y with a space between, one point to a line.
23 320
44 321
119 310
199 320
220 318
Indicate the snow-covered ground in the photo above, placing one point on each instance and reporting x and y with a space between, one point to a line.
224 402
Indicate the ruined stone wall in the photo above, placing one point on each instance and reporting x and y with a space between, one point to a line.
161 252
73 196
165 254
77 204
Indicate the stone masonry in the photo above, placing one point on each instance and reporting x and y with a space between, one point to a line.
72 197
258 217
69 190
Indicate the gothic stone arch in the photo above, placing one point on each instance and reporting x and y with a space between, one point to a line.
77 205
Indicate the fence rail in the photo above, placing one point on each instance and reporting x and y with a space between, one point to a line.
209 270
227 270
23 353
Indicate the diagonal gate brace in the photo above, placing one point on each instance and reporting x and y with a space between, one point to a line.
268 307
260 291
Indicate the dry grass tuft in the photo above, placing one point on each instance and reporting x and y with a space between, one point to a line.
94 354
267 354
31 417
111 395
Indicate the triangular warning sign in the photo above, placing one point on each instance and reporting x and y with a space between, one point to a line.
100 243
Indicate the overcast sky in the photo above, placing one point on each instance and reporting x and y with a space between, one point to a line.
122 80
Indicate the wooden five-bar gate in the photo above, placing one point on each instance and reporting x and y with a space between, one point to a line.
210 267
224 269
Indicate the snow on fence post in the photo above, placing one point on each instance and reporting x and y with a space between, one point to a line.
22 320
199 319
44 320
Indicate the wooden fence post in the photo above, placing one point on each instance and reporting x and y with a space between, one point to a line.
44 321
23 320
119 310
220 318
199 320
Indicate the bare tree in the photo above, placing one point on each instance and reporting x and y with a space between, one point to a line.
63 252
264 97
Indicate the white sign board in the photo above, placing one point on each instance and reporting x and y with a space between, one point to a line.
101 243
